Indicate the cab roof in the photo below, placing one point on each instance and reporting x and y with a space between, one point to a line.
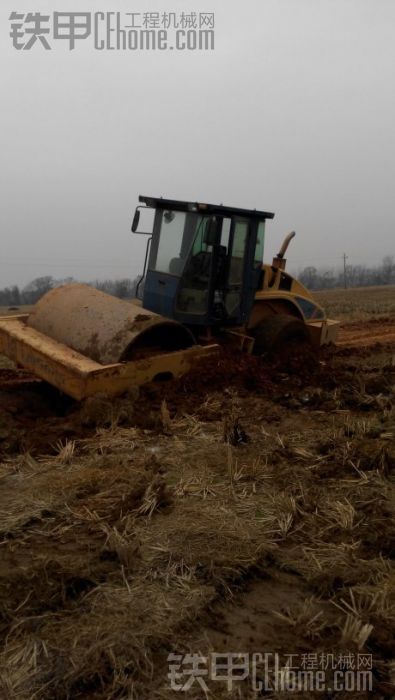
203 208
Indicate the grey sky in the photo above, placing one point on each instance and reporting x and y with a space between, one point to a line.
293 112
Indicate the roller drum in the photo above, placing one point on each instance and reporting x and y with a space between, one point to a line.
104 328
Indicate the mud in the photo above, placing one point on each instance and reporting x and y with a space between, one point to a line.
246 508
365 334
350 376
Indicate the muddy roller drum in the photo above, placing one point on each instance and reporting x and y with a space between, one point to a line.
104 328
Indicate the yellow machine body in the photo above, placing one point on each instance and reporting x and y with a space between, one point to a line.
80 376
84 342
283 294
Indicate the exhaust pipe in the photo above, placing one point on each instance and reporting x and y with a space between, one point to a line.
279 262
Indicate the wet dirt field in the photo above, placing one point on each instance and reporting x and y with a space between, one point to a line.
363 334
247 508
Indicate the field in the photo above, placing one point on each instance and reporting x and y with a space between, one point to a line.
358 304
248 508
14 310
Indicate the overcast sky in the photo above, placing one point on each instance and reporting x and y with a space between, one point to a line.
293 112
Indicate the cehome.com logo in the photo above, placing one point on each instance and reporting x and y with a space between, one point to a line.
114 31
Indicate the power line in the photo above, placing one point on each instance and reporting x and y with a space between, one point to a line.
369 261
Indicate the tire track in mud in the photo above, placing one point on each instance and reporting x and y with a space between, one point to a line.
367 333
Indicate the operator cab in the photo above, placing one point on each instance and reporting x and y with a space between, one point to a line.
204 262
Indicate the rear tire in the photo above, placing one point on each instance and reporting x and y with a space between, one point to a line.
279 332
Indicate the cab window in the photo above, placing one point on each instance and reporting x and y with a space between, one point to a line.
238 251
260 243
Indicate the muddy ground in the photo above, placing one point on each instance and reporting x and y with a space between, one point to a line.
247 508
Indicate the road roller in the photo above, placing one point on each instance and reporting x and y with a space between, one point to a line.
204 284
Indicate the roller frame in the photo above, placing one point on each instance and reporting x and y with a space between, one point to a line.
80 377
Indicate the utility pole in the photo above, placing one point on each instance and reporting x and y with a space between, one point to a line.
345 257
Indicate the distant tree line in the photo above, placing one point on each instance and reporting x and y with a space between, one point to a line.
32 292
311 277
350 276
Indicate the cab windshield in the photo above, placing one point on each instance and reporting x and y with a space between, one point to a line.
178 232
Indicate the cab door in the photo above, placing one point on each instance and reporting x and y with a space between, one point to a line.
234 288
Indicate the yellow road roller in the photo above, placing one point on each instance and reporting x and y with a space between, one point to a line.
203 285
